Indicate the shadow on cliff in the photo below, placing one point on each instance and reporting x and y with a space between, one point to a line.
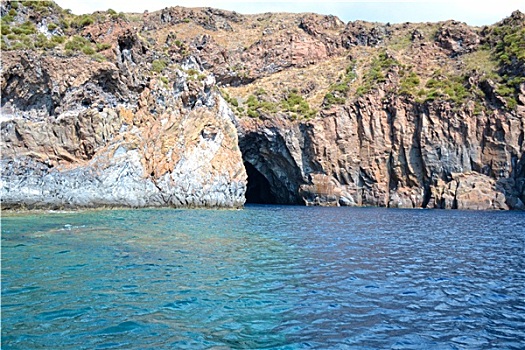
513 187
259 190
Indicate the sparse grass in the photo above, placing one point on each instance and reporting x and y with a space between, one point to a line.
400 42
409 84
158 66
338 92
98 57
297 105
83 21
481 61
380 65
26 28
76 43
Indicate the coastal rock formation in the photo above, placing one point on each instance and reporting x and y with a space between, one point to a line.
204 107
72 138
398 154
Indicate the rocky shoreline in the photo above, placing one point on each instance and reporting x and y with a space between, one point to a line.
292 109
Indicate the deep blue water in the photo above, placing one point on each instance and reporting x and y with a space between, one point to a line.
266 277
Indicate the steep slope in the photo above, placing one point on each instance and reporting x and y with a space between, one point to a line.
126 109
81 133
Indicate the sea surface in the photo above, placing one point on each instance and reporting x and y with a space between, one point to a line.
266 277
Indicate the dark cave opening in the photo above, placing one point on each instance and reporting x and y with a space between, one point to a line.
258 190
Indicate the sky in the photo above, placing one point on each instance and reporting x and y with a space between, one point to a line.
477 13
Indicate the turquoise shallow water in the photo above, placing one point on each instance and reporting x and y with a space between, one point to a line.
266 277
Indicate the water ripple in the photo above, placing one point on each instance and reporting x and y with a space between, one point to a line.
264 277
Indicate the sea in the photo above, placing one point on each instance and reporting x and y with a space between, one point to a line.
264 277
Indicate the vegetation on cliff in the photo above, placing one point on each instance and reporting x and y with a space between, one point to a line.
446 61
412 114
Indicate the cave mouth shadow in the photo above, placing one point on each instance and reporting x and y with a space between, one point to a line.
258 190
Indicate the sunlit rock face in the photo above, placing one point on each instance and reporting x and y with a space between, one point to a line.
76 134
209 108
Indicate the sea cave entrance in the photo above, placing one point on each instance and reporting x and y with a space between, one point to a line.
258 190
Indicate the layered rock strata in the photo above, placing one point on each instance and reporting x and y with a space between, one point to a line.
76 133
204 107
392 153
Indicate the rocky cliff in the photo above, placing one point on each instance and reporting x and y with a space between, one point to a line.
204 107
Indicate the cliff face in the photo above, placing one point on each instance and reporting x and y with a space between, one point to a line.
75 133
403 155
204 107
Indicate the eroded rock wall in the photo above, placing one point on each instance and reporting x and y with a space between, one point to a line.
394 153
83 134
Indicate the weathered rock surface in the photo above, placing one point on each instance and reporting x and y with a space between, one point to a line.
76 140
393 153
127 111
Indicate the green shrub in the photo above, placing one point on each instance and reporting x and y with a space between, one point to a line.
6 30
409 84
3 44
363 89
103 46
52 26
341 87
257 106
297 104
252 113
14 5
88 50
18 46
41 7
158 65
192 71
7 19
259 92
376 74
507 43
112 12
511 102
83 21
12 12
57 39
65 23
330 99
165 81
42 42
26 28
76 43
